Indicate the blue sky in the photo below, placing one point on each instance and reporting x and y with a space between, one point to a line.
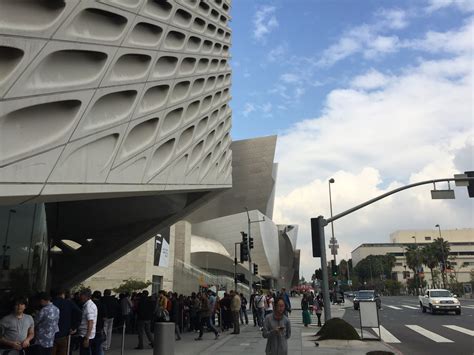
375 94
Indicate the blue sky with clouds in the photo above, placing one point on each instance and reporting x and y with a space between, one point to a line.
375 94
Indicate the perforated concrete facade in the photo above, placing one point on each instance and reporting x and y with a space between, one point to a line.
113 98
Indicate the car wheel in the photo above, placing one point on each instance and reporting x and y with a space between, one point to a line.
432 310
423 308
356 308
458 312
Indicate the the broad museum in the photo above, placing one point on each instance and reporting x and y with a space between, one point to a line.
114 129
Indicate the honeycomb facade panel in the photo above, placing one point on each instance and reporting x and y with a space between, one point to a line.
113 95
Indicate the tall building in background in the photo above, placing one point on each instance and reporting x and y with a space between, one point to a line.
114 124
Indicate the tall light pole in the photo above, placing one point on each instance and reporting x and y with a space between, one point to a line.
333 242
417 261
249 221
5 243
442 255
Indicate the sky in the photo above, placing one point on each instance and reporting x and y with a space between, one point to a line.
375 94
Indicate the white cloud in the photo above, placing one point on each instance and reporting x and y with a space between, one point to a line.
450 41
248 109
463 5
418 125
278 53
264 22
290 78
372 79
392 18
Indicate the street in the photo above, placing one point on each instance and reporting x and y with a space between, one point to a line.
407 329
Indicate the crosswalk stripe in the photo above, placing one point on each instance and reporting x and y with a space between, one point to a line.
409 307
386 335
471 307
430 335
394 307
460 329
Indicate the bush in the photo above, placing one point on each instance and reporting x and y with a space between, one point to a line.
336 328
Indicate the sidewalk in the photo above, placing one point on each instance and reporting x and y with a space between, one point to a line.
251 342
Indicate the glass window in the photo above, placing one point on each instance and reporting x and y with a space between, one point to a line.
156 283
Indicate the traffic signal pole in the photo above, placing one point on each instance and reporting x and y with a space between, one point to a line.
249 222
321 223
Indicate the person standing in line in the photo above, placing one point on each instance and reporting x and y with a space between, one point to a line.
69 319
305 310
235 307
212 306
253 308
311 302
145 310
286 298
277 330
174 315
260 308
243 310
111 306
318 304
204 314
97 344
126 309
269 303
18 327
88 324
46 324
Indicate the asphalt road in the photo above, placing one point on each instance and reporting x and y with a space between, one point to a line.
413 332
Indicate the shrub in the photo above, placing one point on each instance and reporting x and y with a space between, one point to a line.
336 328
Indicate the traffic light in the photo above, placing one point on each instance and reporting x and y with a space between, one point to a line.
244 253
333 268
470 187
255 269
244 238
250 243
316 236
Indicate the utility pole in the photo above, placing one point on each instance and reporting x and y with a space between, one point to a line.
249 222
235 265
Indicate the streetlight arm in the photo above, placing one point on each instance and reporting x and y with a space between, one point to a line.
369 202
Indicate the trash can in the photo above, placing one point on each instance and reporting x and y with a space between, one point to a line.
164 338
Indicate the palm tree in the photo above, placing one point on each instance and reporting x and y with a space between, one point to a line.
429 258
413 262
441 249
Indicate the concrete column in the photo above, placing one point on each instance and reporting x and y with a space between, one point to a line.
164 338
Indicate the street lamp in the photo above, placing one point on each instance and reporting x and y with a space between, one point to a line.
416 271
5 244
333 242
442 255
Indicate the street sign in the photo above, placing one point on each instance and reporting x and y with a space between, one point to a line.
442 195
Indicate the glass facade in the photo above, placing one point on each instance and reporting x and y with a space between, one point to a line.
24 250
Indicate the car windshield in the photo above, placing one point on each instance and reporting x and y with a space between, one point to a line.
365 295
440 294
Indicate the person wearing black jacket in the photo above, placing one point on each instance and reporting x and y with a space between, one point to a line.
174 315
145 310
70 316
96 343
111 307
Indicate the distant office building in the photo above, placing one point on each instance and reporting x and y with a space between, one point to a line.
114 125
461 256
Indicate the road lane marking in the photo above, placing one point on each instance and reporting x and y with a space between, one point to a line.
386 335
460 329
394 307
430 335
409 307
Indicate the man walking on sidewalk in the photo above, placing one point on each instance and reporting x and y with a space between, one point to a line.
235 307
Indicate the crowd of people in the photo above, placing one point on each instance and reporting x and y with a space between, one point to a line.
58 323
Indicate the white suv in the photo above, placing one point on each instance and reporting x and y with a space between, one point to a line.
439 300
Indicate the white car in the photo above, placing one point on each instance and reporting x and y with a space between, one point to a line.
439 300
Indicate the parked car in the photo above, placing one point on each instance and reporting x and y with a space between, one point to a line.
439 300
367 296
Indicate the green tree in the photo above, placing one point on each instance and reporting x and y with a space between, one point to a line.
131 285
393 287
413 258
441 250
430 259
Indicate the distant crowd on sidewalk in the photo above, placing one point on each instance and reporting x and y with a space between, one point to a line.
60 323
